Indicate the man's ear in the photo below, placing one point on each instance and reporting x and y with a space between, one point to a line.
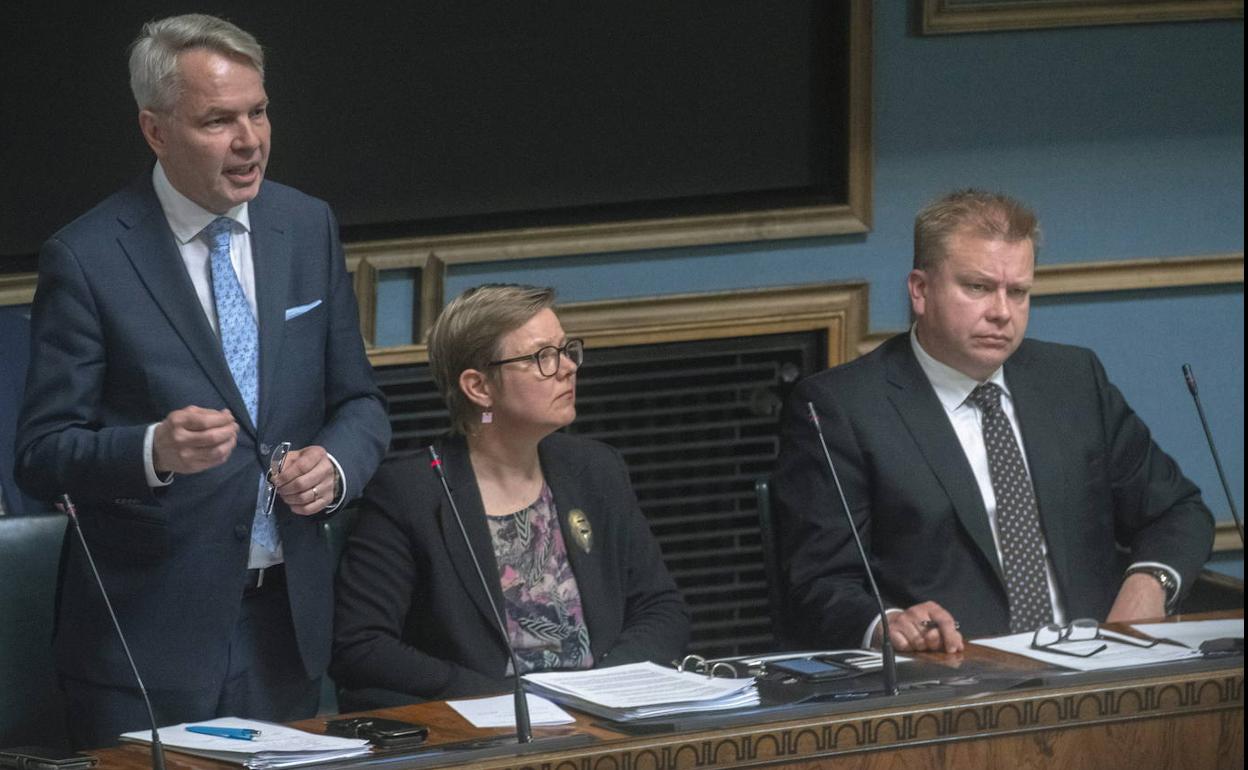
153 131
477 387
916 288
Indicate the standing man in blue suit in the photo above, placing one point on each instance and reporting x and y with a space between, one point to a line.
995 478
188 331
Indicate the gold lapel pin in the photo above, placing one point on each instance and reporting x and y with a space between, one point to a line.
582 533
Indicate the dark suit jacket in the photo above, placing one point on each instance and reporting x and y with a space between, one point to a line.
119 340
412 615
1100 482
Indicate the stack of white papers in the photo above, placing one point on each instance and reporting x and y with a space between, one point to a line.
1115 655
276 746
643 690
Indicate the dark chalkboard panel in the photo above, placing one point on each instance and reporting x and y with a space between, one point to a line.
450 122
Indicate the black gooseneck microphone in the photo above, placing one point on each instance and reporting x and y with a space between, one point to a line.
524 730
886 643
158 751
1217 461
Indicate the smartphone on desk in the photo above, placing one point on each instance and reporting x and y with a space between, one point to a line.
812 669
384 733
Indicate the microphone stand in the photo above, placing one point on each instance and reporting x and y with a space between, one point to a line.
887 652
524 730
158 750
1226 488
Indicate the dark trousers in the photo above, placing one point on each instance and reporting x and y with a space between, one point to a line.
265 680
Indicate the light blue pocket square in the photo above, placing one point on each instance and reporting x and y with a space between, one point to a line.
295 312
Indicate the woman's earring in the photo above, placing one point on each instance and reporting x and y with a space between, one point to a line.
487 417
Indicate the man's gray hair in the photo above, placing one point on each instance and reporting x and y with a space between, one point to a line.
154 75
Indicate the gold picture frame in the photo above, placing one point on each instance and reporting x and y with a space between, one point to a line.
942 17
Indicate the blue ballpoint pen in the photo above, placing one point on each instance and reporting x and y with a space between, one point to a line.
237 733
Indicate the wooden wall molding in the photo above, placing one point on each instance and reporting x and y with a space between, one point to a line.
366 262
838 309
17 289
1131 274
949 16
1226 537
643 234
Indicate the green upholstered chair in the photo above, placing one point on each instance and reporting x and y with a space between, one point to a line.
31 708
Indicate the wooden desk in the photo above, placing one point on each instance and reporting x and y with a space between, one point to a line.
1189 717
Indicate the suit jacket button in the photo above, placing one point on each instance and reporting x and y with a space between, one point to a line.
241 531
265 449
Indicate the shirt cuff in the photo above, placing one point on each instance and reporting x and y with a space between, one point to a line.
340 486
154 479
1178 579
867 637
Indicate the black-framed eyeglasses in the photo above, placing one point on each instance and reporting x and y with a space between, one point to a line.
276 461
550 357
1047 638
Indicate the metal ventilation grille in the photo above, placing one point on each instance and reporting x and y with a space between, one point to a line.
697 423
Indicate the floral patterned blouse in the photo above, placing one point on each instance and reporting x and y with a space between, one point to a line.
543 604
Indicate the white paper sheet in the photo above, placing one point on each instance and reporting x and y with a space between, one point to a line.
500 711
1192 632
1115 655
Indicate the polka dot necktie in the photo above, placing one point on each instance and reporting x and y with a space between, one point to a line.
1018 517
240 340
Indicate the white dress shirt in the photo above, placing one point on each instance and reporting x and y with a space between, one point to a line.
187 220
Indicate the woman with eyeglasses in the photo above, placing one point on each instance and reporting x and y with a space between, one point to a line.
552 519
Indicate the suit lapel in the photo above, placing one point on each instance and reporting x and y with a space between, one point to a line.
150 247
925 418
562 474
463 484
1036 400
271 256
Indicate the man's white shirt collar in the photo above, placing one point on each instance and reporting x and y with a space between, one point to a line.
952 387
187 218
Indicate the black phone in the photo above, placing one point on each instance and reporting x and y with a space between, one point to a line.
385 733
44 758
812 670
1224 647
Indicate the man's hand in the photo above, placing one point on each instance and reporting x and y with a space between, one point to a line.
308 482
193 439
1141 597
925 627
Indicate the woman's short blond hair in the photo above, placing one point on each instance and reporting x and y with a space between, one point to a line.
467 335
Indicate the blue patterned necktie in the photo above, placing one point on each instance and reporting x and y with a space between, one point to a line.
1018 516
240 341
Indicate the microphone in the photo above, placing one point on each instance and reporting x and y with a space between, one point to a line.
65 505
886 643
1217 461
524 730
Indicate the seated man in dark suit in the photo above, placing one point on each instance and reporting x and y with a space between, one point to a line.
994 478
